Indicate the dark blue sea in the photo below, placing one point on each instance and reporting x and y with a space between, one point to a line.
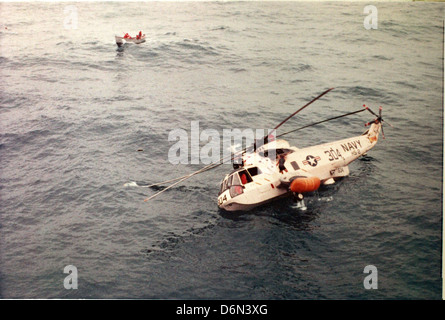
81 119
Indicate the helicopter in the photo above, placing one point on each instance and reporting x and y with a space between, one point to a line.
271 168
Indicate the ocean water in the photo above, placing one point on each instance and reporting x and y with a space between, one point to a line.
75 109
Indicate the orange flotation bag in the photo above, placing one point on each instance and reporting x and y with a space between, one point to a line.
303 184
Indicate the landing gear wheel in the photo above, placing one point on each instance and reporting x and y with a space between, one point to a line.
299 201
298 197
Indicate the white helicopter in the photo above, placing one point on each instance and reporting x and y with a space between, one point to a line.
276 169
271 168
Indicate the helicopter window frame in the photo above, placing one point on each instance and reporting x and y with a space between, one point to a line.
221 188
232 180
223 185
229 181
236 180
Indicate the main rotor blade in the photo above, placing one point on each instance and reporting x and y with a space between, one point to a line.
208 167
211 166
170 186
293 114
319 122
183 178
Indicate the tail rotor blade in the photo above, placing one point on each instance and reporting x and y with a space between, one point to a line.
370 110
378 116
389 124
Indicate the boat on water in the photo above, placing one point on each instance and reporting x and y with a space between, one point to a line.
139 38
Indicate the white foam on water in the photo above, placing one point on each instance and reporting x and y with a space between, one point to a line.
131 184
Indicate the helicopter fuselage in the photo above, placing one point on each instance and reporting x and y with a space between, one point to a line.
277 170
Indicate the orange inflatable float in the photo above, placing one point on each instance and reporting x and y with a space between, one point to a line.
303 184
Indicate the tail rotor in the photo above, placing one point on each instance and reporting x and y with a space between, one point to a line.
378 119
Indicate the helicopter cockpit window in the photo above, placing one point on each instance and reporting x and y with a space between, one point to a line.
235 180
232 180
223 186
229 181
